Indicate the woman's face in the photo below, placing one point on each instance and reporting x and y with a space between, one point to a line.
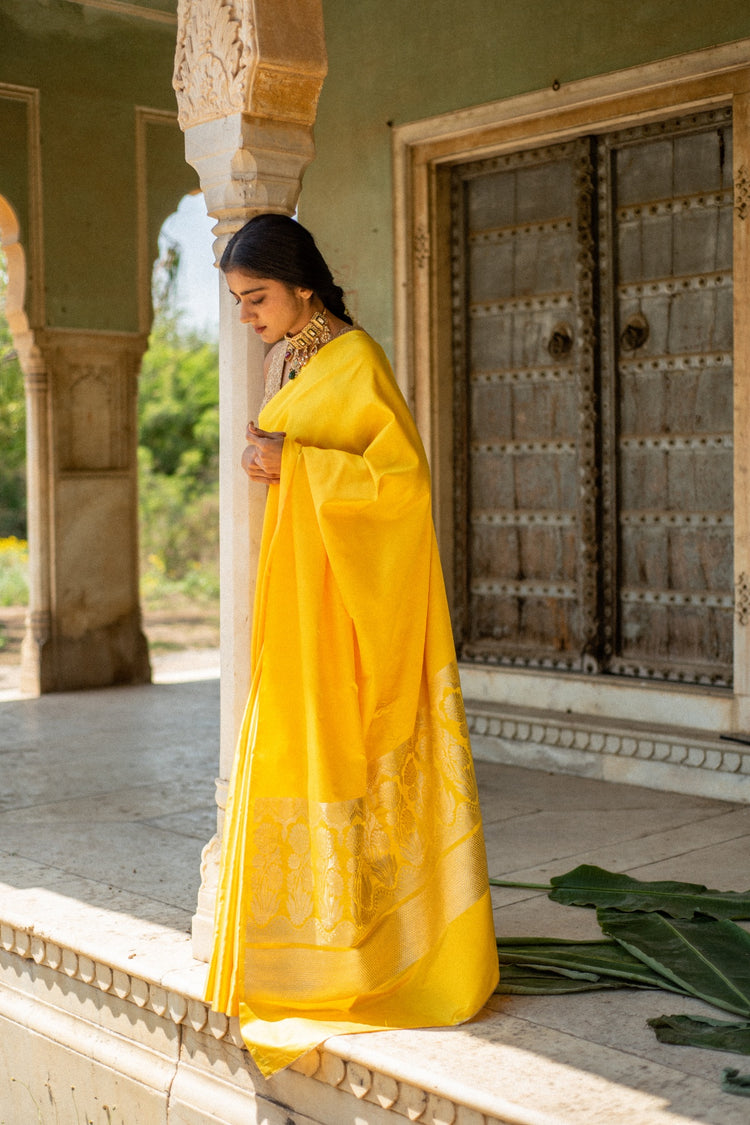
270 307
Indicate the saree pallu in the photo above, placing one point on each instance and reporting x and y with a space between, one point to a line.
353 892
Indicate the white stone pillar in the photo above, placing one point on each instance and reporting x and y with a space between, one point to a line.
248 74
39 615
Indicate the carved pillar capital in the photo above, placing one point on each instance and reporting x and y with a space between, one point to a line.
247 76
261 57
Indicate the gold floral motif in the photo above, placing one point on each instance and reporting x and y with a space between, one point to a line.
327 872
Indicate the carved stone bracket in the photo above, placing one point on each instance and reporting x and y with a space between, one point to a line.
215 49
247 97
231 58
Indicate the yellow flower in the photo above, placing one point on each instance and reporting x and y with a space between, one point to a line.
13 543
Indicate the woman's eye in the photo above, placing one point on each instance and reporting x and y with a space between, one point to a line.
258 301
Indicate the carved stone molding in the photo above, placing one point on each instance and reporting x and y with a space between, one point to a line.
363 1083
604 740
421 246
216 47
93 388
230 59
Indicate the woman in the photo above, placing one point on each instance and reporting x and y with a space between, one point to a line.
353 889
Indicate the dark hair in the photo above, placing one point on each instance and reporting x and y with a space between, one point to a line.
280 248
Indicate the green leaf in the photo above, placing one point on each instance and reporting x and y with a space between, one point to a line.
597 958
732 1082
522 980
512 883
588 885
700 1031
709 959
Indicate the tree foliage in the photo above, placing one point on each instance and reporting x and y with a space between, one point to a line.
179 450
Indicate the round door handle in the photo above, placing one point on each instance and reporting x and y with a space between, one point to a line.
635 333
561 341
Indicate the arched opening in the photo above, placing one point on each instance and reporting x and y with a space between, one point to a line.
178 451
14 335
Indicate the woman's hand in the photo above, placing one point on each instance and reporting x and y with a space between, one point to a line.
262 458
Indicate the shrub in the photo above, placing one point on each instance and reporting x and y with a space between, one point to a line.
14 567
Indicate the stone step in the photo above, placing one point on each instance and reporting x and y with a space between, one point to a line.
673 758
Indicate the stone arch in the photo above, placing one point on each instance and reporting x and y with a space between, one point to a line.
15 311
36 385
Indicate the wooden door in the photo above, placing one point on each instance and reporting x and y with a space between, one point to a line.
668 394
593 298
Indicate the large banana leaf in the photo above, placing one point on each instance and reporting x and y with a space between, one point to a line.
732 1082
596 960
709 959
524 980
700 1031
588 885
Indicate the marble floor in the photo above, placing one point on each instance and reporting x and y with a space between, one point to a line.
106 801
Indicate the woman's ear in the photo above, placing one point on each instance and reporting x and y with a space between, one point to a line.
305 294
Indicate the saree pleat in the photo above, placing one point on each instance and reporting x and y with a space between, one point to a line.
353 891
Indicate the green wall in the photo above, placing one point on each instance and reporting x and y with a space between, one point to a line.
390 61
92 67
393 61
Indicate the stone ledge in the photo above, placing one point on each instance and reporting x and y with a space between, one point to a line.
95 1047
678 759
108 1007
184 1009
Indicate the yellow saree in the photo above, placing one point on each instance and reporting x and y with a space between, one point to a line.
353 890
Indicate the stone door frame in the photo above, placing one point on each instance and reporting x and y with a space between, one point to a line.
423 154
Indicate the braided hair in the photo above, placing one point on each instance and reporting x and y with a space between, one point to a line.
278 247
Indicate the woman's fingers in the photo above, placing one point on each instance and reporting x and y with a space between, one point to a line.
262 458
254 433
